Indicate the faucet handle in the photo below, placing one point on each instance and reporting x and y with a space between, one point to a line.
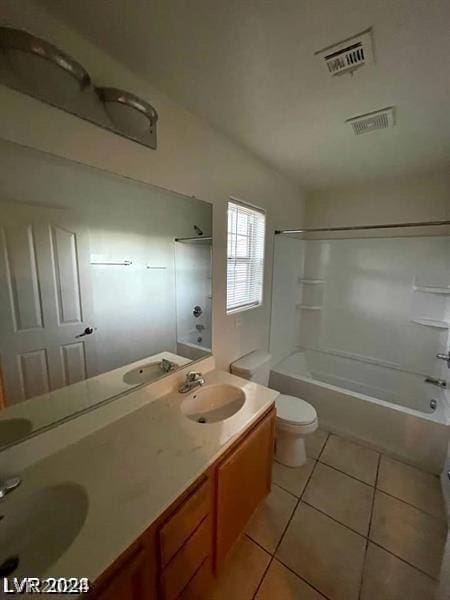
194 376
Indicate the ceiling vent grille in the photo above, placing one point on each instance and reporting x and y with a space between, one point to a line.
379 119
349 55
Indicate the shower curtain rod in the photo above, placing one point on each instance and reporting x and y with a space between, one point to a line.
361 227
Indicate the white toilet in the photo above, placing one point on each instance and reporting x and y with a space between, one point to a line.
295 417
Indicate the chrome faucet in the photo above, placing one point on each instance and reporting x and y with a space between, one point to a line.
193 379
167 365
8 485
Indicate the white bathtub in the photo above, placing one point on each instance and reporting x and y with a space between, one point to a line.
195 345
385 407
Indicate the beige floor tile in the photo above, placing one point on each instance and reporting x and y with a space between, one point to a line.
354 459
314 442
271 518
388 578
292 479
411 485
243 572
281 584
340 496
326 554
408 533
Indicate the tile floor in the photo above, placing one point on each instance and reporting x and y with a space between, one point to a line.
351 524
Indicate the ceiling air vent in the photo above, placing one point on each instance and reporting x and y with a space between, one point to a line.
349 55
379 119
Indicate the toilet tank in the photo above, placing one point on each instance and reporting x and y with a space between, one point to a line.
254 366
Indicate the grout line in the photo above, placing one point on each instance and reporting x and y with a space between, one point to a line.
334 519
285 490
367 537
263 577
298 498
372 485
286 528
300 577
258 544
363 570
375 487
443 519
436 579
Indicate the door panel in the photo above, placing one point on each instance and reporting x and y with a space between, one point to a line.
34 373
74 363
45 301
65 261
22 276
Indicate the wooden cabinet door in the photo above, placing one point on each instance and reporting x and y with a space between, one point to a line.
243 480
130 581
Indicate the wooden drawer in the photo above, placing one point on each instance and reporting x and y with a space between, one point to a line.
200 585
184 565
174 533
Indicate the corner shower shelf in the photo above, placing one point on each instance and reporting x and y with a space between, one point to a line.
431 289
432 323
308 307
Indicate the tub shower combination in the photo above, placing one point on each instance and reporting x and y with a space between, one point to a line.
357 326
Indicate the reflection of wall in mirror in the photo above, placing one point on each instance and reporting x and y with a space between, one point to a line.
133 305
193 285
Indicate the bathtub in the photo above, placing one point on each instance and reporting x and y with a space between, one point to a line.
195 345
387 408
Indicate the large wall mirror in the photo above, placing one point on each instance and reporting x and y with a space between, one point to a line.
105 285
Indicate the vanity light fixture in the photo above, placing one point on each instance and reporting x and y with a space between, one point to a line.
128 112
19 46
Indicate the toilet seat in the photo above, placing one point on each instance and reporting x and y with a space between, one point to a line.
295 411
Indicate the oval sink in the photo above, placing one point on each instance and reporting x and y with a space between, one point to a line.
12 430
213 403
37 529
143 374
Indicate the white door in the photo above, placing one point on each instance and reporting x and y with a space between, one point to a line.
45 301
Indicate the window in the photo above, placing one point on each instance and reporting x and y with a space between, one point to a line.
245 257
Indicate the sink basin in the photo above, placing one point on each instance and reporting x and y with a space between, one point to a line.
12 430
213 403
38 528
143 374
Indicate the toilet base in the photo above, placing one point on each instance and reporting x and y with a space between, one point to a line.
290 450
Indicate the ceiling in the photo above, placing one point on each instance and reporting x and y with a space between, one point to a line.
248 68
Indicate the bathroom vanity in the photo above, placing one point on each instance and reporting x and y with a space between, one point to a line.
150 505
179 555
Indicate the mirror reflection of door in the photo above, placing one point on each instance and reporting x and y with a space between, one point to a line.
45 301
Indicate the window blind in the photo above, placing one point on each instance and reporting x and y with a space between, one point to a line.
245 256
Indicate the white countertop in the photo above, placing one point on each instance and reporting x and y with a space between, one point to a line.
134 469
43 411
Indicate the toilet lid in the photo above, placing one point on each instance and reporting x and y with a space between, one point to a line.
295 410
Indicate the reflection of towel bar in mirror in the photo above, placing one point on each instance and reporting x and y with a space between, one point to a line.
121 263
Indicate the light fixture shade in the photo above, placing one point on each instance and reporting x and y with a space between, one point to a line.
42 67
129 113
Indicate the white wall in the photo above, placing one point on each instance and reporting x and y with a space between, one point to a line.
425 198
193 283
191 158
133 307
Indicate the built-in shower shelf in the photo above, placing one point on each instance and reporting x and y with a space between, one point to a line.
310 281
309 307
432 323
431 289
